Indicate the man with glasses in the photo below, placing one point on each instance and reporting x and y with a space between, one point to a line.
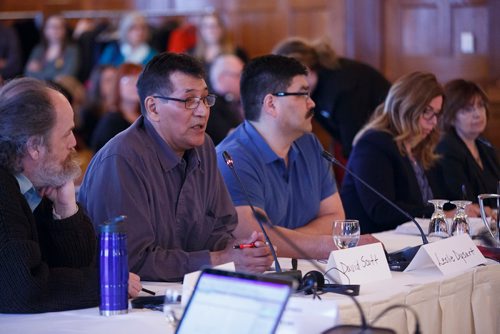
279 160
162 174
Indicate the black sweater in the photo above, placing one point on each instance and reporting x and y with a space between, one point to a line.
45 264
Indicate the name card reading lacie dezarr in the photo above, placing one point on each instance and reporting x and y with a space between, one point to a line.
450 255
362 264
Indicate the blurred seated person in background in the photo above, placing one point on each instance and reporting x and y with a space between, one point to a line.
214 39
227 113
393 153
346 92
279 160
467 159
133 45
162 173
101 98
55 55
47 243
11 58
126 110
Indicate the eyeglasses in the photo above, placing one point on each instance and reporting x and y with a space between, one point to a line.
305 94
191 102
429 113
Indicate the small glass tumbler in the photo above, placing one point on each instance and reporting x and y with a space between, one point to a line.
346 233
438 227
460 223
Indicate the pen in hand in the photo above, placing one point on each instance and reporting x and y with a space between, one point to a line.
241 246
148 291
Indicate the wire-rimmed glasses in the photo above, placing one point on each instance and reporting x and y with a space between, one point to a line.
191 102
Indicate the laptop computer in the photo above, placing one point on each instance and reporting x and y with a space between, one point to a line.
226 302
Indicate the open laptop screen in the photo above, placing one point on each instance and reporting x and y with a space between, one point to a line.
228 302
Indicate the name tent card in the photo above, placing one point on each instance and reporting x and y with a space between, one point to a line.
451 255
362 264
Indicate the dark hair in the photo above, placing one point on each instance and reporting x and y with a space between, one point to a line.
26 111
67 37
266 75
155 78
458 94
315 55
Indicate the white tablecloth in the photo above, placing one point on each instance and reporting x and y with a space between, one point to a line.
468 302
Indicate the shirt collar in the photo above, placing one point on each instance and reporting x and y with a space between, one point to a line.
28 190
268 155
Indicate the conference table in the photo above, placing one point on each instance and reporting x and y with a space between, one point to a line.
466 302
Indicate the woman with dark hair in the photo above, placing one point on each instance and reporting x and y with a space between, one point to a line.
394 153
126 109
55 55
469 164
346 92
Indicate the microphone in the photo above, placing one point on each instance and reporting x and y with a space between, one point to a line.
398 261
258 217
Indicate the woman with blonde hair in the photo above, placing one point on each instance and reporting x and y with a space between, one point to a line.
394 153
214 39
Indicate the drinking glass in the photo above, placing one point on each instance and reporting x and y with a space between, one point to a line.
438 227
346 233
460 224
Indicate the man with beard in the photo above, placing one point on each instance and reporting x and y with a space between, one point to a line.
279 159
162 174
47 243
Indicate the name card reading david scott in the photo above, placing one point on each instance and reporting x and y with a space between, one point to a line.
360 264
450 255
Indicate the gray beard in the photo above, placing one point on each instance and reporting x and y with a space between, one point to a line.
52 174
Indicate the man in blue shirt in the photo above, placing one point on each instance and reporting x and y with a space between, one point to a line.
279 160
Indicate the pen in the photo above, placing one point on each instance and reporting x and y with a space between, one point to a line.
148 291
241 246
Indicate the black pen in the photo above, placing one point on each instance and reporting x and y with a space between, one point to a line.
148 291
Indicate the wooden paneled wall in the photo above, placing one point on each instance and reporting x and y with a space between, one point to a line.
395 36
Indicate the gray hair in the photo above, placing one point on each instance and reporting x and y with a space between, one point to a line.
26 111
127 22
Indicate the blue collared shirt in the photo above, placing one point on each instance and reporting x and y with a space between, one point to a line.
290 193
29 192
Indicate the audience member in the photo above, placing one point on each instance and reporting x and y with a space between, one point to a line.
467 159
162 173
55 55
47 243
133 45
214 39
11 60
393 153
126 110
346 91
101 98
226 114
279 160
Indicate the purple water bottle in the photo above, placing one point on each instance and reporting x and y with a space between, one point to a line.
113 267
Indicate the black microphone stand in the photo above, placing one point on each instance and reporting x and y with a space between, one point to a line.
398 261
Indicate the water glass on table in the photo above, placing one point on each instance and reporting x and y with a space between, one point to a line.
346 233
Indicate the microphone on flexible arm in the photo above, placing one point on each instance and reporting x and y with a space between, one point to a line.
260 219
398 261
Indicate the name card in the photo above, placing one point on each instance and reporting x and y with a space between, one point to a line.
451 255
362 264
